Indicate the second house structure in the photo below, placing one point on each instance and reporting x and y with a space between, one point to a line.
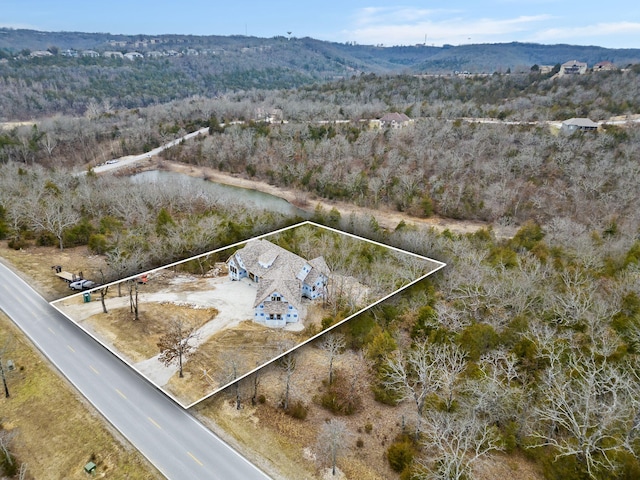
282 279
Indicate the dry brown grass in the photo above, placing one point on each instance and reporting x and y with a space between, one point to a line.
35 264
247 345
138 339
58 432
277 453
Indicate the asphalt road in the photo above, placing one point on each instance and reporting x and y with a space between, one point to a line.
175 442
130 160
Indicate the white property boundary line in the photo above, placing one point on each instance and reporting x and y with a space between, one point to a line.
43 352
439 264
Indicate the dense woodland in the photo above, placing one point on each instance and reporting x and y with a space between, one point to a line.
526 345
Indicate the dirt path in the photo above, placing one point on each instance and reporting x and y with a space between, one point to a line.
386 218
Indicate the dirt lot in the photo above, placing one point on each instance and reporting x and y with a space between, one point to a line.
228 344
34 264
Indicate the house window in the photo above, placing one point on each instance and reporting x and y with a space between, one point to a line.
276 298
233 269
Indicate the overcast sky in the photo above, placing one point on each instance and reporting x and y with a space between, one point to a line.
613 23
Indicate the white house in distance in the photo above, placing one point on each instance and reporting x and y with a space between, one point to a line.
282 278
573 67
395 120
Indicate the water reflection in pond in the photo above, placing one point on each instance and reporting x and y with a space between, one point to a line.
226 193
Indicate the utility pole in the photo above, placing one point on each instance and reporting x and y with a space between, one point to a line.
2 374
4 380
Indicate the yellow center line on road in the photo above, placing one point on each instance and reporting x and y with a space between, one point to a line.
154 422
121 394
94 370
69 347
195 459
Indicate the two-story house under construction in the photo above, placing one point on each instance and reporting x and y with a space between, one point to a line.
282 279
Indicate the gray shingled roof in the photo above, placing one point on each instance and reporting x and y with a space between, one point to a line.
278 269
289 289
395 117
580 122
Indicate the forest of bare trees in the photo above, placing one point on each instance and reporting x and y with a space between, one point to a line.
527 345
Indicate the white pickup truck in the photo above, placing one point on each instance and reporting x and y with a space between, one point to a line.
82 285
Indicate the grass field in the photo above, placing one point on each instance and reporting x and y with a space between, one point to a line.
57 431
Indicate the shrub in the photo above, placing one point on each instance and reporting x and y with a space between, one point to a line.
262 399
79 234
46 239
359 443
339 398
298 410
477 339
368 427
4 227
383 395
98 243
18 243
528 236
400 454
9 465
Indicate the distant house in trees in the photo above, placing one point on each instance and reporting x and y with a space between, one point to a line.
273 115
90 53
573 67
40 53
604 66
582 124
282 279
395 120
133 55
109 54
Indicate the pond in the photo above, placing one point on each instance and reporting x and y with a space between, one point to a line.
229 193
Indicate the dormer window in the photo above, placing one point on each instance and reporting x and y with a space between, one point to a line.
276 298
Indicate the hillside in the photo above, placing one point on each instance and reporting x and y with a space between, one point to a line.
326 57
43 73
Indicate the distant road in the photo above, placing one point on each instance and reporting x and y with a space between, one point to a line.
131 160
168 436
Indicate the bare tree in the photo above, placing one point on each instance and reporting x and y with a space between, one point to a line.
412 376
288 365
453 443
133 298
6 436
122 262
255 381
423 370
332 440
588 405
103 292
230 371
333 344
54 214
177 343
